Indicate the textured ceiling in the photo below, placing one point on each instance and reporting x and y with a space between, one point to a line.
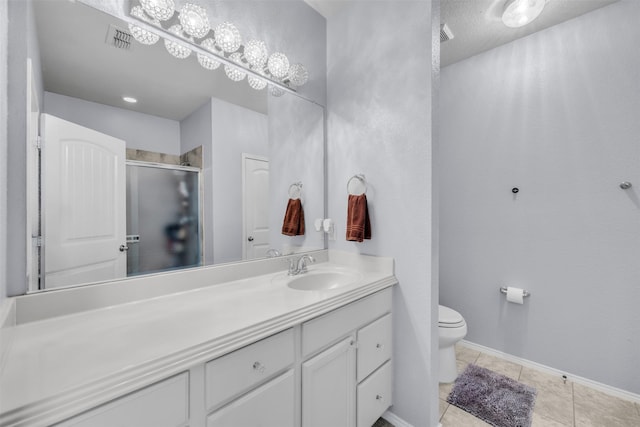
477 24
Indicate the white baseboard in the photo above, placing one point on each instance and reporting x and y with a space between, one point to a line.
613 391
395 420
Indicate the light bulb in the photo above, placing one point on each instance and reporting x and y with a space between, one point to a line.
140 34
194 20
278 65
206 61
256 82
228 37
178 50
161 10
235 73
255 52
298 75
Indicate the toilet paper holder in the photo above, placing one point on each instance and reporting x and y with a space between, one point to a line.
503 289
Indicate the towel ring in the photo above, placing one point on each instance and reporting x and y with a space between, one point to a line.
295 190
357 185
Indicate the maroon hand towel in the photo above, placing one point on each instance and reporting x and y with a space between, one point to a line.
358 224
293 224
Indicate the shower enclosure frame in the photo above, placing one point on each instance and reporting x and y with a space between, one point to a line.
198 171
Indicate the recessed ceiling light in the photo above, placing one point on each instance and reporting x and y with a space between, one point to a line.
129 99
518 13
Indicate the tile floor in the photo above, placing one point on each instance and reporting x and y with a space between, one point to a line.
558 404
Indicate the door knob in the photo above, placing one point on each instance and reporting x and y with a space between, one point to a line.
124 248
250 238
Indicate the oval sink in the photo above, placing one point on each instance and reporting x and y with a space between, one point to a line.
321 280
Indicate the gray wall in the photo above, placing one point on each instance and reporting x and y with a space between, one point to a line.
140 131
296 151
236 130
379 103
195 131
555 114
3 151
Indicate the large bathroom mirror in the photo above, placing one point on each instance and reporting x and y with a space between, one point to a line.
209 164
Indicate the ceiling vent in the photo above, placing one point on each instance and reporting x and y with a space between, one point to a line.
118 38
445 33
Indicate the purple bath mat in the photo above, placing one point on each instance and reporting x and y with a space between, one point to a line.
494 398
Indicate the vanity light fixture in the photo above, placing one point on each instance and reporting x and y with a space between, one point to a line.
140 34
162 10
194 20
129 99
518 13
224 42
178 50
205 60
235 73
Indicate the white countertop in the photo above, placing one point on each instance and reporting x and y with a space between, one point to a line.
53 367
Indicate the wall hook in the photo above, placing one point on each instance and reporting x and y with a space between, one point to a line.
625 185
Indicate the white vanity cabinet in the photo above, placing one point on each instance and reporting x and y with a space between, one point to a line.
272 404
329 387
164 404
241 389
346 375
319 367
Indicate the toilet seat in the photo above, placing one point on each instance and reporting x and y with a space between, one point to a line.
449 318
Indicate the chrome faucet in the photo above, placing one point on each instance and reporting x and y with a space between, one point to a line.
299 266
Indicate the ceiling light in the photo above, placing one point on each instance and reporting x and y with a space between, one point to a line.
129 99
521 12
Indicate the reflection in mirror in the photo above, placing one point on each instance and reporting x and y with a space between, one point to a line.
222 157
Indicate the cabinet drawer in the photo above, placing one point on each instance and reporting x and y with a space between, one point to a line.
324 330
374 396
272 404
374 346
234 373
164 404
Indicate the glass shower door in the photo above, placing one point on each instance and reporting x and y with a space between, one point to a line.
163 218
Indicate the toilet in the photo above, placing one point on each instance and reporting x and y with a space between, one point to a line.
451 329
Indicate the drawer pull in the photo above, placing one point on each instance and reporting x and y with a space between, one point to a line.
258 367
378 397
378 345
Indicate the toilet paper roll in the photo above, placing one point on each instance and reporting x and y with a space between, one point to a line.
515 295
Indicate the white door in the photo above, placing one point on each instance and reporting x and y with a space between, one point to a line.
255 202
83 212
329 387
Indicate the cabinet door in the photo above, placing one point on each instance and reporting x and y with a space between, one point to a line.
374 396
164 404
270 405
329 387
